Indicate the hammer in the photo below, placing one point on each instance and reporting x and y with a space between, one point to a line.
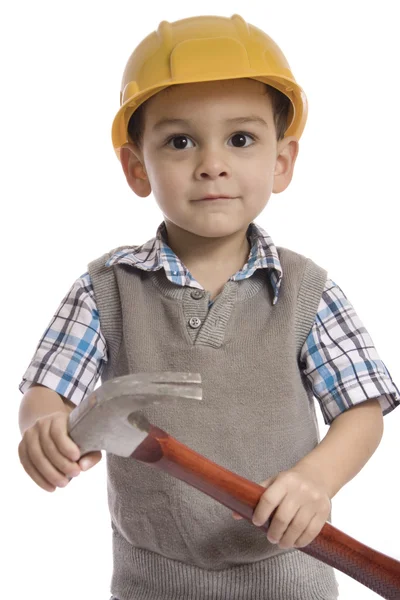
110 419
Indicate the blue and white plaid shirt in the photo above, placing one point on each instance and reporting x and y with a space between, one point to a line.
338 358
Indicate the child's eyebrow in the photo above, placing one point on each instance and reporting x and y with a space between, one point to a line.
164 122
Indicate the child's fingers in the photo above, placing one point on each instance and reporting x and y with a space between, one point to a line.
268 502
32 470
59 434
44 465
54 442
236 516
41 458
47 453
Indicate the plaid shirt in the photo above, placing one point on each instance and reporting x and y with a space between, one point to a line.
338 358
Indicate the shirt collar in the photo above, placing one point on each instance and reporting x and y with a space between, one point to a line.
155 254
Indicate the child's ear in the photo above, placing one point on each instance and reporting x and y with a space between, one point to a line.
134 170
287 151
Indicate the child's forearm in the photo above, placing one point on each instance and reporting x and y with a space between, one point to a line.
349 443
39 401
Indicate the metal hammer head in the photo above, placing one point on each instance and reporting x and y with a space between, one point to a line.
106 419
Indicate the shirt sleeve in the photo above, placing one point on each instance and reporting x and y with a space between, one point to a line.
72 352
339 359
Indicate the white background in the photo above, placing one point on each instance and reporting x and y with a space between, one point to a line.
65 201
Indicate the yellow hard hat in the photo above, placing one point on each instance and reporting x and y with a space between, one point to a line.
205 48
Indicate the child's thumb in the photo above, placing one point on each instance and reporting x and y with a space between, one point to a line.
89 460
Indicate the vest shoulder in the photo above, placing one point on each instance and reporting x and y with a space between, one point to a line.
288 256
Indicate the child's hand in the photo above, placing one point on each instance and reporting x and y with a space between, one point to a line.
302 508
49 455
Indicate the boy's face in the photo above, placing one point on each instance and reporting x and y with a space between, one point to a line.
212 151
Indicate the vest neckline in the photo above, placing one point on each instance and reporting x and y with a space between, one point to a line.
245 288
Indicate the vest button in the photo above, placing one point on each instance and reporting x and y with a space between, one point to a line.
194 322
197 294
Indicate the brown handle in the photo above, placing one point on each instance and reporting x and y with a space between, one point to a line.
373 569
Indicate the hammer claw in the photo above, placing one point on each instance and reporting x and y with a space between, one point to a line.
181 385
101 421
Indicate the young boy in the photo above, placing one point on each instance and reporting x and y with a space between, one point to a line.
210 120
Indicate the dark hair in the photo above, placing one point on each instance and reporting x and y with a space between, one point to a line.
280 108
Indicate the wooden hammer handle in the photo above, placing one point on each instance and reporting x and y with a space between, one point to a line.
373 569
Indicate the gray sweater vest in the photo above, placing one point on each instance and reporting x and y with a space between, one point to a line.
257 417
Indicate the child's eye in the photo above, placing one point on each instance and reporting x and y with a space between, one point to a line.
182 140
239 137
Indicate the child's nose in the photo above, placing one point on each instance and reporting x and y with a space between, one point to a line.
212 165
